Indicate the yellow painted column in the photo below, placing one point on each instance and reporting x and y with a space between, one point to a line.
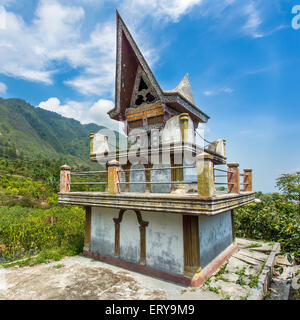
92 135
205 175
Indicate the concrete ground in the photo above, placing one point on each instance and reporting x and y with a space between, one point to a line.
83 278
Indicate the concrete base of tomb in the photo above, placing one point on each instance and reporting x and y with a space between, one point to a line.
182 238
195 280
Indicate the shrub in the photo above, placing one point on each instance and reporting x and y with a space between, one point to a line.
24 230
275 218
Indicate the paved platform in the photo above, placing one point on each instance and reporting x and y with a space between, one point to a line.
246 275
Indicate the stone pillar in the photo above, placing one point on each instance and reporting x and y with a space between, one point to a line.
184 125
126 169
92 135
247 179
233 177
113 173
148 176
65 178
205 175
176 174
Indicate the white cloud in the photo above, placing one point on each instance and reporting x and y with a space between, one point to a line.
218 91
99 72
253 20
209 93
3 87
85 112
170 10
55 35
33 50
29 50
69 110
227 90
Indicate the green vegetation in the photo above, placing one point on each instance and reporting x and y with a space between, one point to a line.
15 190
275 218
29 132
31 220
214 289
241 273
34 143
289 184
219 275
28 230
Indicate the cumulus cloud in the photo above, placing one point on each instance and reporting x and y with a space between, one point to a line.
29 50
56 35
3 87
85 112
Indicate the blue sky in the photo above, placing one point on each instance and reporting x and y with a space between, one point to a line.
242 58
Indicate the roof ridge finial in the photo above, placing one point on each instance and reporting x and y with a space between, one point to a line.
185 89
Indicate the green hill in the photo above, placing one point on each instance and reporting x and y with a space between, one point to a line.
30 132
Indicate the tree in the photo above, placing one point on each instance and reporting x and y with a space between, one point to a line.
289 184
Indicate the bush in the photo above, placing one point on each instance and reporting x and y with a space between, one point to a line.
275 218
24 230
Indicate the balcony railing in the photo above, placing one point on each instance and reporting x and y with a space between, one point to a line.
205 179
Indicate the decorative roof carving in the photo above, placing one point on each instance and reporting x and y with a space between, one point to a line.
129 65
184 88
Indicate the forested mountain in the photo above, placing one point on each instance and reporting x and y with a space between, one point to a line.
30 132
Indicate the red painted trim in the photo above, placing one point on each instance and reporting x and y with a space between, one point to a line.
206 273
214 265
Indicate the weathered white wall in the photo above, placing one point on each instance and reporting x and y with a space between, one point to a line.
164 241
130 237
103 230
215 235
164 238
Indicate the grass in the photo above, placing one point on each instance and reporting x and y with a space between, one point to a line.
214 289
254 245
45 256
241 273
221 272
246 296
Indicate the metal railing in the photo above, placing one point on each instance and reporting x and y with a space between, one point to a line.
83 174
206 179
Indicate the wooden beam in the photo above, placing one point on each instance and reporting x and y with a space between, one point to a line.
191 245
87 234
